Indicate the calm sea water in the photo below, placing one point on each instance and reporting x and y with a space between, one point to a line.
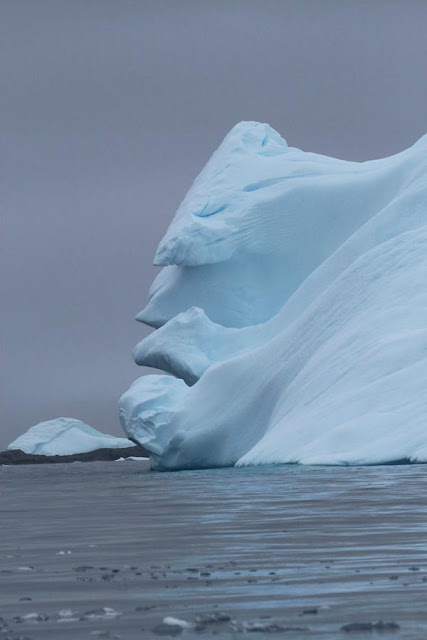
110 550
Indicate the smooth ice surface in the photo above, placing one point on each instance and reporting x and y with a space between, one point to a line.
291 311
65 436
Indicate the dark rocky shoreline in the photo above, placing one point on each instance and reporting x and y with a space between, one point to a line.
16 456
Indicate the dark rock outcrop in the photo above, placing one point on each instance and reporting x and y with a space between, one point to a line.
16 456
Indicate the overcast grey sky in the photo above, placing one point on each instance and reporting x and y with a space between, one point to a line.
108 110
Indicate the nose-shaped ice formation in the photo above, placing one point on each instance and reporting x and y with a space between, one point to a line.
291 312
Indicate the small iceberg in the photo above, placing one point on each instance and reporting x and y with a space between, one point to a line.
65 437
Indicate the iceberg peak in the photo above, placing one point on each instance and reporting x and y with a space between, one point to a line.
208 213
252 137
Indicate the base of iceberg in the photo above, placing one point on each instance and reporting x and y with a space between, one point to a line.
291 313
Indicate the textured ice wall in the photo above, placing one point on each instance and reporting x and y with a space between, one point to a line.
291 312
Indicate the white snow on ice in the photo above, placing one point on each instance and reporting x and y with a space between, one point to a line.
65 436
291 311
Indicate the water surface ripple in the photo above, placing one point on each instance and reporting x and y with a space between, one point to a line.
110 550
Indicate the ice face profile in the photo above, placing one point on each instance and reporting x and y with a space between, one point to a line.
291 311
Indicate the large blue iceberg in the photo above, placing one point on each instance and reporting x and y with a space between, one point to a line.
291 312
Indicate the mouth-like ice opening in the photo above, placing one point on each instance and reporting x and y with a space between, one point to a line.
291 312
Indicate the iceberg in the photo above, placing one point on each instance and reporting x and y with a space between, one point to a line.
290 315
65 437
